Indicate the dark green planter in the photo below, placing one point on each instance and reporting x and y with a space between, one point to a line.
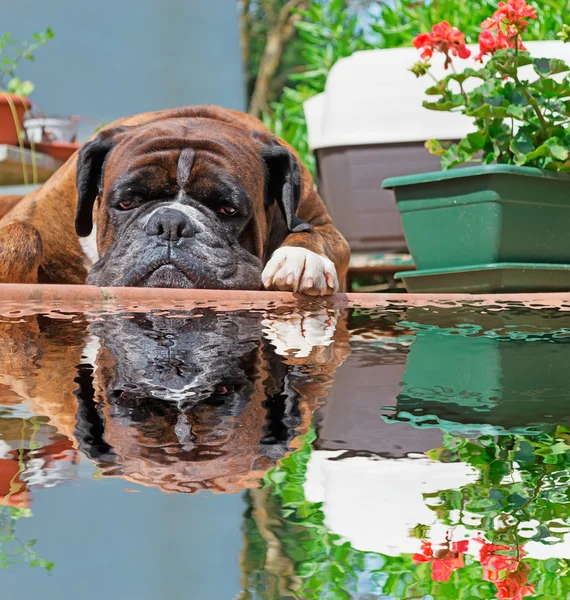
489 279
485 215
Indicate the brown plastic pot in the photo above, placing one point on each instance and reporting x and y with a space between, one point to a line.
8 128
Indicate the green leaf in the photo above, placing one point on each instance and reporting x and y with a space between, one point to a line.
546 67
453 157
466 74
21 88
473 142
446 103
308 75
516 111
508 55
307 569
550 88
40 562
437 147
438 89
520 147
559 152
512 95
487 111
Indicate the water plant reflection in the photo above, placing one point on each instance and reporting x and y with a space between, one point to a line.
291 550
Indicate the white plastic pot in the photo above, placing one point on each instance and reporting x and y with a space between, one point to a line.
51 129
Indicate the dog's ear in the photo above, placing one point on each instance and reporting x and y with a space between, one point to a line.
283 183
89 176
90 428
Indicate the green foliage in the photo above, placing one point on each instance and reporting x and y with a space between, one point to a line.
331 30
500 504
520 122
520 478
12 550
12 53
328 31
400 21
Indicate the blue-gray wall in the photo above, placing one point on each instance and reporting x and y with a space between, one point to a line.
111 545
111 58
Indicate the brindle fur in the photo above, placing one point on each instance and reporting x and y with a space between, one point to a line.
51 209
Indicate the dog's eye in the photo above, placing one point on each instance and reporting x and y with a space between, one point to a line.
126 204
229 211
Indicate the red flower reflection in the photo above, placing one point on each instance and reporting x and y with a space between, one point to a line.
513 15
514 587
444 561
498 560
443 38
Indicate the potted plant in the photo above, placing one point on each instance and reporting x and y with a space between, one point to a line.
53 135
502 225
368 124
14 92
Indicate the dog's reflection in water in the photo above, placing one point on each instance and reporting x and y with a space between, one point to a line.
194 401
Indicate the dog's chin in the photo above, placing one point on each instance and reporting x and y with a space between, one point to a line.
167 276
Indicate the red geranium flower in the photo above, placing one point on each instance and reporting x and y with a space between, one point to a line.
513 15
498 561
443 38
444 561
514 587
489 43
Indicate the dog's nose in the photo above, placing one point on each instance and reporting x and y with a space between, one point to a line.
170 224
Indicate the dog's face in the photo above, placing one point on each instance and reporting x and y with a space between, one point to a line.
186 403
185 203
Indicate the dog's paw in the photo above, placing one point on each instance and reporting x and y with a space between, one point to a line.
295 269
298 334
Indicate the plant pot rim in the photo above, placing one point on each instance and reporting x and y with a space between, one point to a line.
23 99
476 171
49 118
55 144
507 266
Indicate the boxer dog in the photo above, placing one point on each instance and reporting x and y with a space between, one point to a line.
197 197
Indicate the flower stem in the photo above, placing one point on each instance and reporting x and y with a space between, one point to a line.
522 88
463 92
434 78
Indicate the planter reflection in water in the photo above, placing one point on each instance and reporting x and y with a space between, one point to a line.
486 372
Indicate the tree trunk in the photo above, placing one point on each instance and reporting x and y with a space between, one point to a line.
277 38
279 82
244 40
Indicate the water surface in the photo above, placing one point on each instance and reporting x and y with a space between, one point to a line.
393 453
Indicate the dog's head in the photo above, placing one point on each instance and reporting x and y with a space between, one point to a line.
187 403
185 203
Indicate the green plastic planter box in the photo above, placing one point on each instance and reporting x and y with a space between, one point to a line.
485 215
510 278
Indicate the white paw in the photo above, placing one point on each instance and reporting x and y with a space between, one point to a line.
295 269
296 334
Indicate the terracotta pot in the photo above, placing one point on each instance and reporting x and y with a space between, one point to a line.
59 150
8 130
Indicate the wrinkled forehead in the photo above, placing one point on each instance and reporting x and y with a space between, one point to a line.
171 157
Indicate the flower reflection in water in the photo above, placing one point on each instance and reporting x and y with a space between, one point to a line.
444 561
